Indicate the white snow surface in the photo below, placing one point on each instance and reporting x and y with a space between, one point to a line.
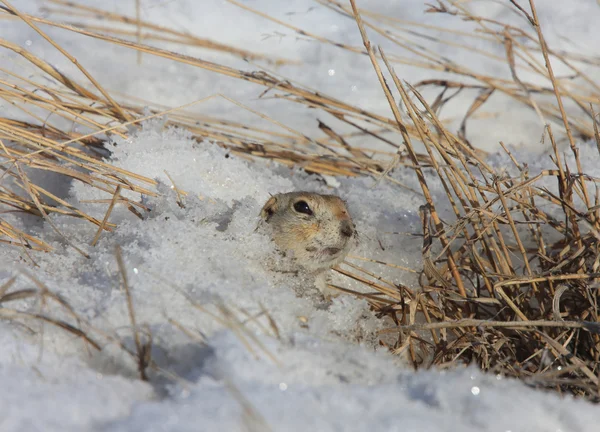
200 267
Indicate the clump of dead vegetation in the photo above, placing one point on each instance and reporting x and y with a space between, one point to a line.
511 285
514 287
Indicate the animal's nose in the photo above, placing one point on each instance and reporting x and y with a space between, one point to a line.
347 229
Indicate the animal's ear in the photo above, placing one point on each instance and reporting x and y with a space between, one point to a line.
269 209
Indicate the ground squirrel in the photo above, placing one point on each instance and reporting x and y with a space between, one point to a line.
315 230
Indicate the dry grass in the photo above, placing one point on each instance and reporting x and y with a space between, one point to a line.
511 285
517 300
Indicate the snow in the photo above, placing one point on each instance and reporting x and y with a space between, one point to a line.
200 267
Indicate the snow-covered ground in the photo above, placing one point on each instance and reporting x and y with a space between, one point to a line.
235 347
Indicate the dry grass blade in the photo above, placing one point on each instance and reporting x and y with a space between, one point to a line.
12 314
145 30
592 327
143 350
44 296
107 215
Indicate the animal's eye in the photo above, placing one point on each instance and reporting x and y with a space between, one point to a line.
302 207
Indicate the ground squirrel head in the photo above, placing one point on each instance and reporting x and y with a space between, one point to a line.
316 229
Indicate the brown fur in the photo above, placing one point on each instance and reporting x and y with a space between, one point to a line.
317 241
